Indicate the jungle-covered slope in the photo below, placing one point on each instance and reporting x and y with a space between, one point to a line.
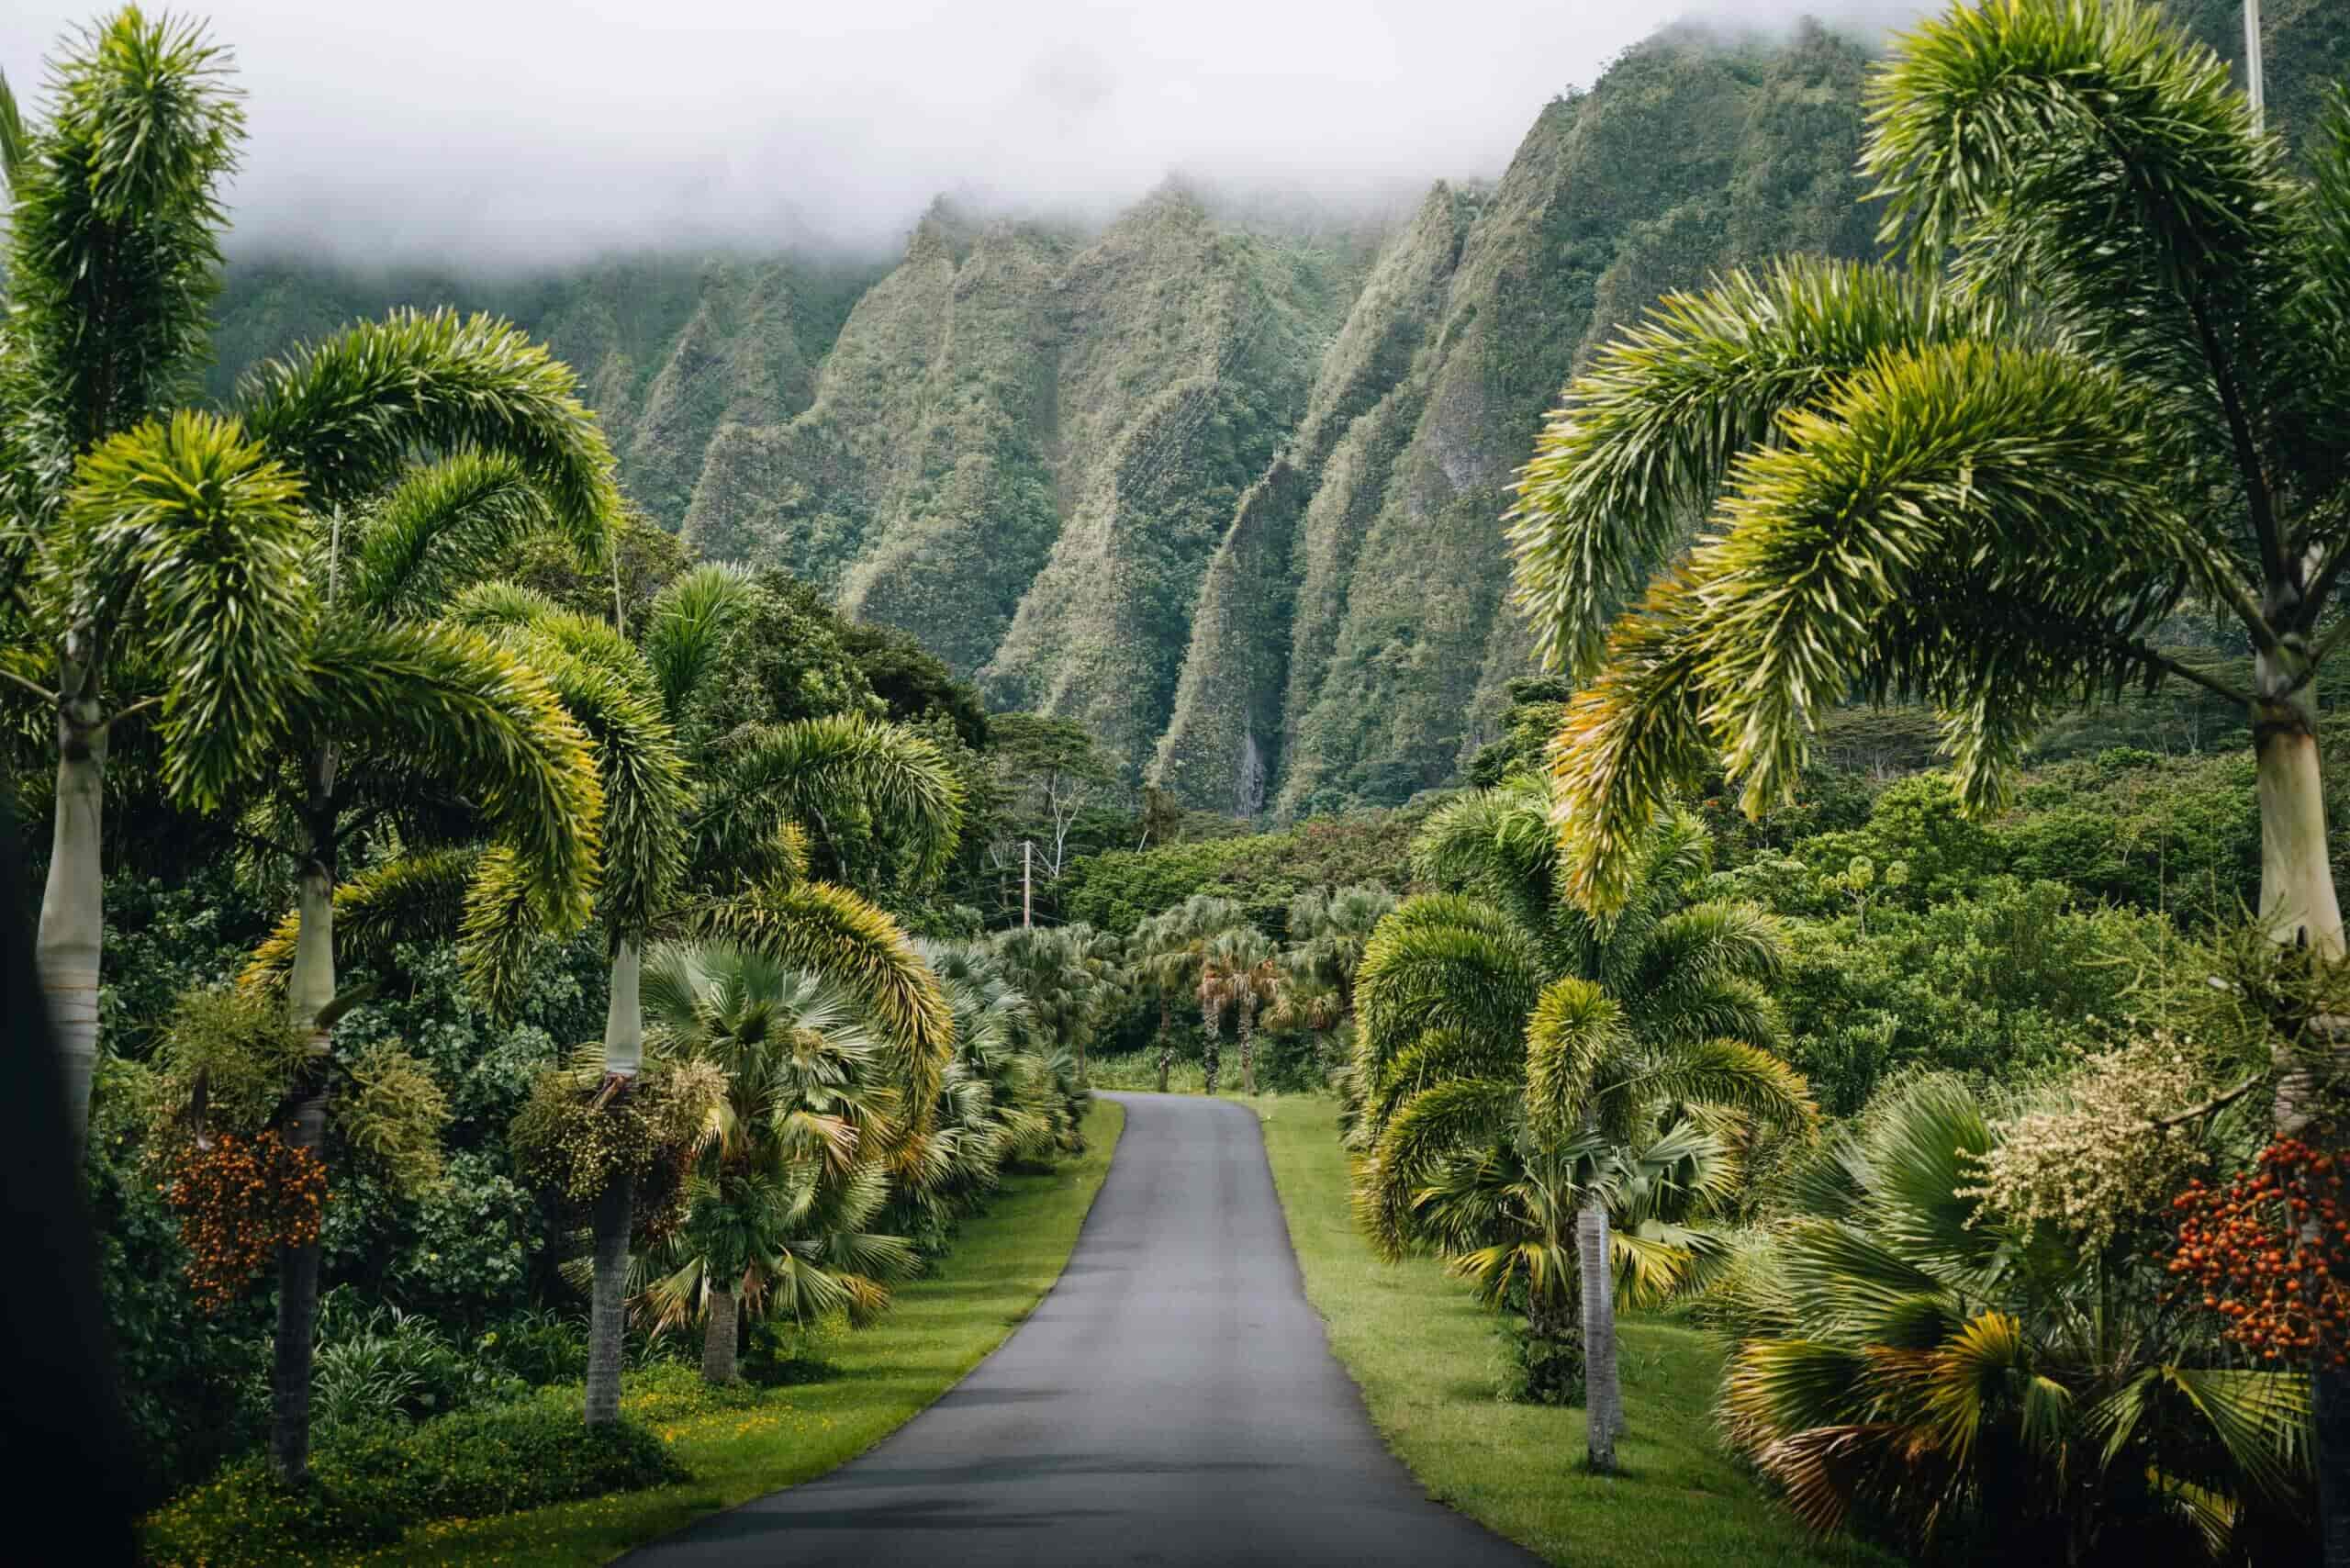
1223 482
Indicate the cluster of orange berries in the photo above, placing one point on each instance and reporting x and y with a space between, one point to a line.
2270 1252
240 1199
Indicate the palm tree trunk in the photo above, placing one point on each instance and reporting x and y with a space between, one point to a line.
607 1289
297 1313
308 991
2299 904
1212 1053
1166 1045
607 1300
1248 1050
717 1338
72 904
2297 895
1603 1392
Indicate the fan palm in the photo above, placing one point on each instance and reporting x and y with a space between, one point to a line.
166 546
1328 930
1068 974
1505 1217
1167 951
793 1173
1239 972
2111 386
1516 1027
1906 1353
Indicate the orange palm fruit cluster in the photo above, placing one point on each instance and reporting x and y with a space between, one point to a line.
240 1199
2270 1253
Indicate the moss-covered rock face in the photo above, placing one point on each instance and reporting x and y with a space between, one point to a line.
1225 485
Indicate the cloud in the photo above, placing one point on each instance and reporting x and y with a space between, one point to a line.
494 131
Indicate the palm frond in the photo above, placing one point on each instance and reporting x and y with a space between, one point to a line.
452 706
346 413
188 534
1642 442
688 627
443 527
113 252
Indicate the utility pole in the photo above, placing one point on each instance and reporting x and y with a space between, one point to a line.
1027 856
2255 87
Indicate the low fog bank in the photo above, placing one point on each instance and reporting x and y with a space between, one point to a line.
454 133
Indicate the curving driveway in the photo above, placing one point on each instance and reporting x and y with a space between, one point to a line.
1171 1400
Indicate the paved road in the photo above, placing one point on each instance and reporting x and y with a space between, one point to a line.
1172 1401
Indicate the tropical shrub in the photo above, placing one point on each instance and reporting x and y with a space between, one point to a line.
1913 1361
368 1484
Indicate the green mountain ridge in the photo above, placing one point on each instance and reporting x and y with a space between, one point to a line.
1223 482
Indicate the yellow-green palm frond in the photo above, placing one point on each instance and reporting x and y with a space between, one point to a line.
688 627
185 537
347 412
1642 442
441 527
452 707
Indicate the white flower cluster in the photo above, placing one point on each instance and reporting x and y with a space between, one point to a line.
2094 1156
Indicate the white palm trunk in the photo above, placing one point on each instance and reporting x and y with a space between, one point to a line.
72 908
1602 1392
608 1292
308 988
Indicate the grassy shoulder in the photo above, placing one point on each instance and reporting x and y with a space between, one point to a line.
1425 1356
736 1444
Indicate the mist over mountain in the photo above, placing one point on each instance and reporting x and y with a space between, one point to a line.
1218 471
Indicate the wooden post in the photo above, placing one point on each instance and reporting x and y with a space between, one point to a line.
1027 855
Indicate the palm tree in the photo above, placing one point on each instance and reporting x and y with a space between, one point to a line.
1329 928
676 844
1515 1020
793 1173
160 546
418 730
1168 949
1068 974
1239 971
1904 1351
2110 387
1505 1218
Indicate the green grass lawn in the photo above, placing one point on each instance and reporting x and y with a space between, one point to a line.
940 1327
1425 1356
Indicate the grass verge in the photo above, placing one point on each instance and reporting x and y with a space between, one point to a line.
1425 1356
939 1328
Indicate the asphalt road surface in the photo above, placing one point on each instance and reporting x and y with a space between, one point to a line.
1171 1400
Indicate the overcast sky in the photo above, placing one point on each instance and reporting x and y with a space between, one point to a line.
498 130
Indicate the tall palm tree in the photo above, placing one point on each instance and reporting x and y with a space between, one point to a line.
2111 386
1239 972
679 847
162 546
1515 1019
793 1173
405 724
1168 949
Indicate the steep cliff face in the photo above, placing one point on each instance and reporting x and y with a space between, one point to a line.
1688 156
1225 480
668 347
1025 449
